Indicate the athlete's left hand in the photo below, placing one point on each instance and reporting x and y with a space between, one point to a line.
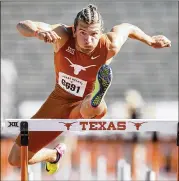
160 41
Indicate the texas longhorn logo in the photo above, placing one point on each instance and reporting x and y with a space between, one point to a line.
68 125
78 68
137 125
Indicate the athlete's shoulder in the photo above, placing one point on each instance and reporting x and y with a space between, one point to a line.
66 29
103 37
62 30
105 40
108 43
66 33
110 39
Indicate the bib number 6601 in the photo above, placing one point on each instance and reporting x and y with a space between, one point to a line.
72 87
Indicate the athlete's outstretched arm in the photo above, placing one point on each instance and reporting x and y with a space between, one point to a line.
120 33
43 31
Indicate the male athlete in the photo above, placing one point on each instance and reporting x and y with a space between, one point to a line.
81 57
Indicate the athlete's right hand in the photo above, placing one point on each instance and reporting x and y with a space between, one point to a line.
47 36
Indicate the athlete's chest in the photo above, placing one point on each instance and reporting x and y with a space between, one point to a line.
75 63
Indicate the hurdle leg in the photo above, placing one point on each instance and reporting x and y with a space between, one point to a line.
24 163
178 152
24 150
133 162
155 154
150 176
178 163
123 171
102 168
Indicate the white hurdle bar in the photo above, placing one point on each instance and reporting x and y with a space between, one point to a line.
12 126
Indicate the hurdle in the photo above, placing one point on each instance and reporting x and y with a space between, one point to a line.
101 172
124 172
24 150
53 125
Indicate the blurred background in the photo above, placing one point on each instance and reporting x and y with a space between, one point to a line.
145 85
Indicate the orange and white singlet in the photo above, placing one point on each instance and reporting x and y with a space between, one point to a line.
75 71
75 77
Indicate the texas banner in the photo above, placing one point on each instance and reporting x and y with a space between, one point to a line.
117 125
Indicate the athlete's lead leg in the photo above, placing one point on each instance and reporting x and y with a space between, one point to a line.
93 105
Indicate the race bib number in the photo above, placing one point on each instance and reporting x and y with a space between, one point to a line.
72 84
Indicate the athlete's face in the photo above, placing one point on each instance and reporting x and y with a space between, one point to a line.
87 36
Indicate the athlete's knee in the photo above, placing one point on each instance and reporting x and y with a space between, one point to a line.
14 156
103 113
104 110
88 112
